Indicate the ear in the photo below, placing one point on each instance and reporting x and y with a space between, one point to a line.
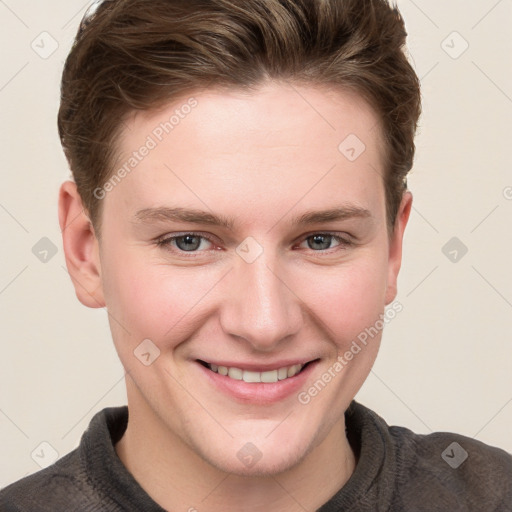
81 247
395 246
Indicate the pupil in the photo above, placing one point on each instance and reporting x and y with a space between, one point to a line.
320 238
188 246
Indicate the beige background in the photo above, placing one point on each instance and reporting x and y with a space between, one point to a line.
446 360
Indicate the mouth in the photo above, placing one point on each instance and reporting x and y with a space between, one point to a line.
254 376
258 384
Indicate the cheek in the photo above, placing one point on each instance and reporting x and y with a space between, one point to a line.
347 299
155 301
167 304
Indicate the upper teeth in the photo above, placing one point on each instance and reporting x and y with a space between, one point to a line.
248 376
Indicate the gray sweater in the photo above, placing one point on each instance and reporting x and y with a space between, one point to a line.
397 471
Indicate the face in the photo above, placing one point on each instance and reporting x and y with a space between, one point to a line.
254 279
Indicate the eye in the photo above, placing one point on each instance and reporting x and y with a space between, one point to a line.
187 242
192 242
319 242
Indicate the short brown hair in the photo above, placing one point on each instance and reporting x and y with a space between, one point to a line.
136 54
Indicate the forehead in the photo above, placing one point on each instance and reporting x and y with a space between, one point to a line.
280 143
270 108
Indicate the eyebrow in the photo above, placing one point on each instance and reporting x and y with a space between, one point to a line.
167 214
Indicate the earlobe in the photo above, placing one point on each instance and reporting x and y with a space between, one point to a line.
80 247
395 246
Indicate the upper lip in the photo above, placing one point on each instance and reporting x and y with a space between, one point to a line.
259 367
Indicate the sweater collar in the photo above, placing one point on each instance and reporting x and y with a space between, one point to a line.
372 484
104 468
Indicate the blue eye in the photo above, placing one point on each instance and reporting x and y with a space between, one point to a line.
324 240
191 243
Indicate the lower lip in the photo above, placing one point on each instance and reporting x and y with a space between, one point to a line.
259 392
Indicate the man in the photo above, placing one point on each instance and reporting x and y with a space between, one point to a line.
216 148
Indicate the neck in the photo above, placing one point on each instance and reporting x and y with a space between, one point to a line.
177 478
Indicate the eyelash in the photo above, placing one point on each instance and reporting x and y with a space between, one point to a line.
165 242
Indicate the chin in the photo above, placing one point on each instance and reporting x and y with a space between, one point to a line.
264 467
258 459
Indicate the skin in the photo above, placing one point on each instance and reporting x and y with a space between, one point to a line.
263 158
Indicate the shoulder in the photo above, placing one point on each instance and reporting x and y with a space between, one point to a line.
428 472
80 480
465 473
48 488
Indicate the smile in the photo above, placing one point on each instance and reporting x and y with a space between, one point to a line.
271 376
256 383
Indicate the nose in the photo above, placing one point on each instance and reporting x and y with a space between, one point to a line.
261 306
